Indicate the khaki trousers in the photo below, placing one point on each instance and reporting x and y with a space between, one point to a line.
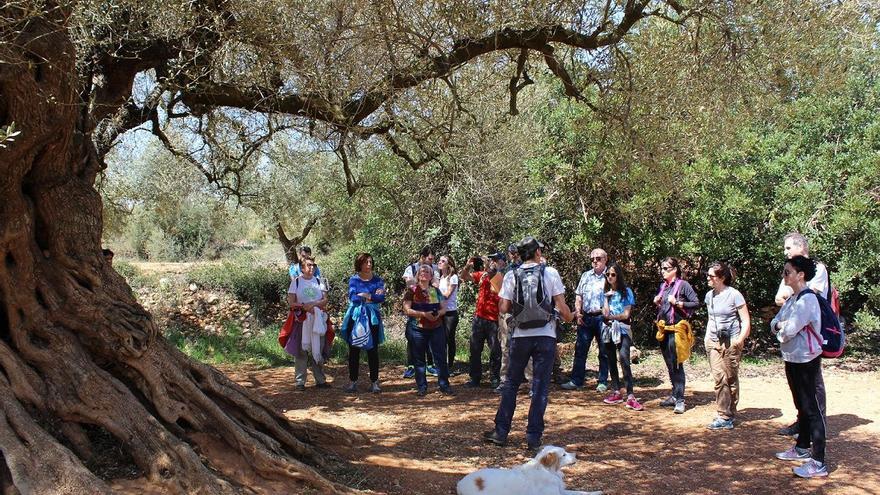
724 363
504 334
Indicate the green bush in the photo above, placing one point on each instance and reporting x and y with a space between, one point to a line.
260 285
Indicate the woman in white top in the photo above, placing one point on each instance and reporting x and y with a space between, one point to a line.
728 328
802 354
449 288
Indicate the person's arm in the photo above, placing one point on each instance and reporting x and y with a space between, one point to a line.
291 300
442 310
504 305
745 323
819 284
606 309
782 294
562 307
465 273
802 313
689 299
354 294
378 294
450 288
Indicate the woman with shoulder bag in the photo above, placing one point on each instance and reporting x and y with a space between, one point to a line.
675 302
728 328
366 291
619 300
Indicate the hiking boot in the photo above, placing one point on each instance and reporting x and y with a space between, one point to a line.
668 402
409 372
795 453
447 390
471 384
494 437
721 424
351 388
601 388
790 430
811 469
614 398
499 388
323 385
533 446
569 385
632 403
300 387
431 371
679 407
374 387
423 391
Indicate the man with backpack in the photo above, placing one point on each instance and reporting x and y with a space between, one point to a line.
528 294
795 244
484 328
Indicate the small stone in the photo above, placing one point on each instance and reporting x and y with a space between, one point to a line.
193 287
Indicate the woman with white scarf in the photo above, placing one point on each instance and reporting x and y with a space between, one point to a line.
307 297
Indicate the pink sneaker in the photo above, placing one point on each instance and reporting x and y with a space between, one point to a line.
632 403
614 398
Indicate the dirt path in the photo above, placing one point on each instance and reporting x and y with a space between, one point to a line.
425 445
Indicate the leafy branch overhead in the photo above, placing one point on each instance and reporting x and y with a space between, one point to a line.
335 69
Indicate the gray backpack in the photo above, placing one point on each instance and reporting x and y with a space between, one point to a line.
531 306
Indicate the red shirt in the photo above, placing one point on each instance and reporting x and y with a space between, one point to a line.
487 300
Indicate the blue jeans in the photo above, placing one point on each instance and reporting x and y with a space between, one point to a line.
586 333
435 340
542 351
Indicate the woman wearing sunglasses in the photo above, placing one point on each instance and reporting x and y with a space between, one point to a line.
675 301
619 300
726 332
802 353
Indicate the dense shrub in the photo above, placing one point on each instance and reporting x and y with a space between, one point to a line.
260 285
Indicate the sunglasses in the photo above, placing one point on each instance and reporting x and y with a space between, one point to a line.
667 268
611 275
711 275
597 258
787 272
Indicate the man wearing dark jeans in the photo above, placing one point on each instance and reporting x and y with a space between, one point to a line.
526 294
484 329
589 299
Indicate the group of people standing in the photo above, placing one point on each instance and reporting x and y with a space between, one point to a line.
521 300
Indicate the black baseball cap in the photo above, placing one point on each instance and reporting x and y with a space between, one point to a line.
498 256
528 245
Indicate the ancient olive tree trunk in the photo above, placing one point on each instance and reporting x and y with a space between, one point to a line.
79 358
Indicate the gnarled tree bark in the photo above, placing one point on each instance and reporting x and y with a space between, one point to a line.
78 354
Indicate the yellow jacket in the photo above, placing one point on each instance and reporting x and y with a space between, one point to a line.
684 338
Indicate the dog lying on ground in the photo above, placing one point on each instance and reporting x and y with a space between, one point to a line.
540 476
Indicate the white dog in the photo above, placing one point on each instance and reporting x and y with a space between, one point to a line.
540 476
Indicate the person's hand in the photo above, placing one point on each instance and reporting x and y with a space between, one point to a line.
609 293
657 299
380 291
296 305
364 295
671 299
580 319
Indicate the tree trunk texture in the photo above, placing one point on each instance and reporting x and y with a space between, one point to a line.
81 360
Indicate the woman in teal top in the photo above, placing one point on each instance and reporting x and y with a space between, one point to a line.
619 300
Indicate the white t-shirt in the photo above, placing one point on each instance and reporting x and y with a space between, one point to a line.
452 300
409 275
819 283
723 310
307 290
553 287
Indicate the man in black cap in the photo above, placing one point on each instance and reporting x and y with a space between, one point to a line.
529 294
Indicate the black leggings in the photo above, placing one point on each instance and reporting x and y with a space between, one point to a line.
811 420
676 371
450 319
354 359
620 352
